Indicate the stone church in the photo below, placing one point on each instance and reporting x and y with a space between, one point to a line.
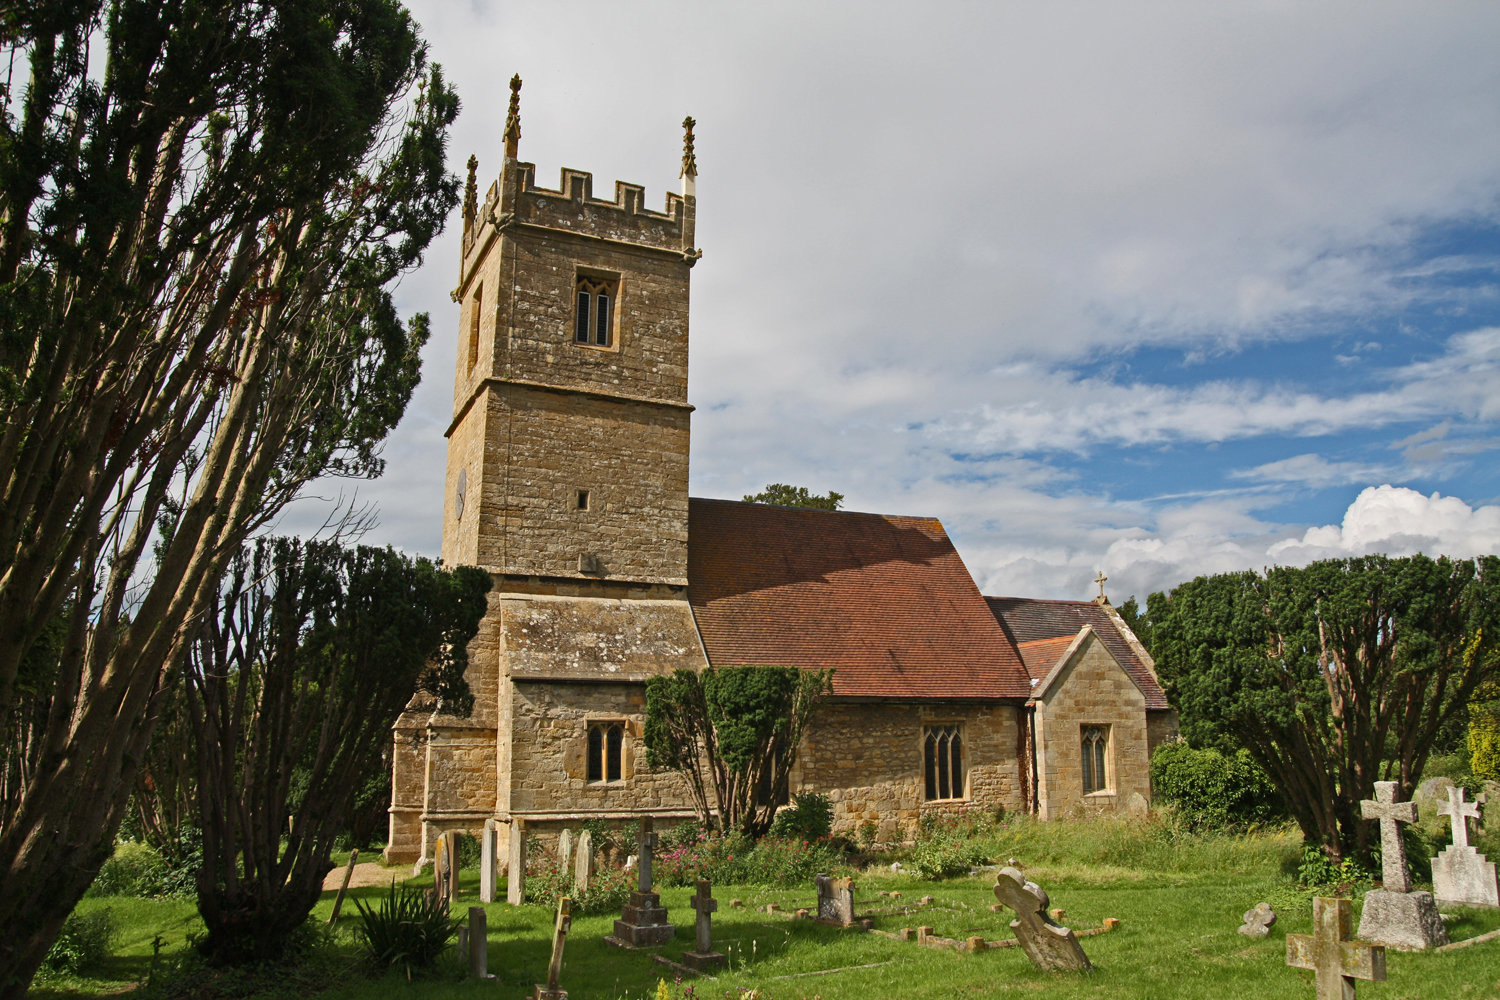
567 480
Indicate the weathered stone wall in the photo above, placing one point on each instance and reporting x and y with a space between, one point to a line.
1161 727
1091 690
867 758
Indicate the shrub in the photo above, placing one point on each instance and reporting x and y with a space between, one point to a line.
405 930
1212 790
945 855
139 870
809 818
469 853
736 860
547 881
83 943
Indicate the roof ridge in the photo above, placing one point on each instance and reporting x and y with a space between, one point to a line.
817 510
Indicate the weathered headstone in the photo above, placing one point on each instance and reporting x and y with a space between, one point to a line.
1337 960
1461 876
835 901
479 943
565 848
583 864
551 991
515 874
703 956
1045 943
1393 915
488 876
1258 921
643 920
338 901
445 869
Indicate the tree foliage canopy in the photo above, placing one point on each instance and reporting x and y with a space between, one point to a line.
1332 676
311 653
782 495
732 733
203 205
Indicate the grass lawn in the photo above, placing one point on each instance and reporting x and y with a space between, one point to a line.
1176 939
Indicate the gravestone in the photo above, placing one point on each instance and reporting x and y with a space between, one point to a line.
703 956
1258 921
488 877
445 869
565 849
1051 947
1330 953
564 923
515 874
835 901
1461 876
338 901
1393 915
479 943
643 920
583 864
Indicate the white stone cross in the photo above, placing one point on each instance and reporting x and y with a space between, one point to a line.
1458 812
1391 815
705 904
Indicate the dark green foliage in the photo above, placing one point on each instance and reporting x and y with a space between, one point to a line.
1139 620
782 495
810 817
733 734
84 942
547 881
1212 790
738 860
404 931
139 870
1332 676
309 656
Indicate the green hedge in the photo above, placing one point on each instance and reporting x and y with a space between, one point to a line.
1212 790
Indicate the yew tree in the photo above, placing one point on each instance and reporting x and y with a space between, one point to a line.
204 205
732 733
1333 676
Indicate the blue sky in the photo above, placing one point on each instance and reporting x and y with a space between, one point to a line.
1158 289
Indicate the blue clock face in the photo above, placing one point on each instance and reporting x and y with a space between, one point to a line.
459 493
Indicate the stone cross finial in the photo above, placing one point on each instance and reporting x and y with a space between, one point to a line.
646 842
1336 959
1391 815
1459 812
1047 944
513 118
471 195
1100 579
689 157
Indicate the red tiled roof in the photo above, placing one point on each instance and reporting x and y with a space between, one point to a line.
1027 621
1040 654
885 601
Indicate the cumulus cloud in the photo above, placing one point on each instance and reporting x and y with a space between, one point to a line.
1398 521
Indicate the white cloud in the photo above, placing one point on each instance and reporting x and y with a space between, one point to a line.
1398 521
1311 470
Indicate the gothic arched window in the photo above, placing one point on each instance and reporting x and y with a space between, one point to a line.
606 747
1095 743
943 757
594 312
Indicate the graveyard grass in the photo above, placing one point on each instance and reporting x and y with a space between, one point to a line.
1178 899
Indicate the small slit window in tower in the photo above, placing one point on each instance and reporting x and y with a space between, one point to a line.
1095 742
606 745
583 499
474 314
943 757
594 319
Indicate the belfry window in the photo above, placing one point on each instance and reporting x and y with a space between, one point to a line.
1095 743
943 757
606 745
594 312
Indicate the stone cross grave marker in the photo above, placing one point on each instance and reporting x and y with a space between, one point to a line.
1393 915
835 901
646 843
515 874
1258 921
565 848
643 920
560 929
1460 874
1050 946
1328 951
703 956
583 864
487 874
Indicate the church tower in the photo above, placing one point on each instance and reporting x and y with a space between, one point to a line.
567 480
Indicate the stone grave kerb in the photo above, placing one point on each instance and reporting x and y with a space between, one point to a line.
1332 954
1047 944
1392 815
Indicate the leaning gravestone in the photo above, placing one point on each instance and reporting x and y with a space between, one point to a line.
1258 921
703 957
1461 876
643 920
552 990
1050 946
1393 915
583 864
835 901
1329 952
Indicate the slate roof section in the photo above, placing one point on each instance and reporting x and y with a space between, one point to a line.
885 601
1027 621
